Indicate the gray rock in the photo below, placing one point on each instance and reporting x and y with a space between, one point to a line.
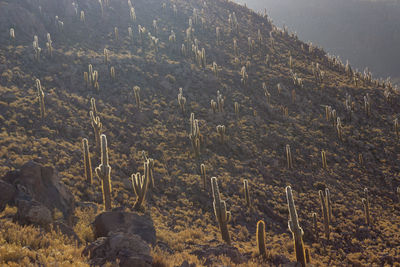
41 184
129 249
7 194
33 212
127 222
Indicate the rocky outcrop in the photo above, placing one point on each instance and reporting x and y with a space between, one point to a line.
122 236
37 192
7 194
129 249
38 184
126 222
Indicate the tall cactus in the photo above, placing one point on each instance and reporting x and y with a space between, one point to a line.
136 90
223 216
246 192
221 131
324 213
261 238
203 175
365 202
140 185
97 127
323 158
86 161
289 157
328 203
104 172
295 228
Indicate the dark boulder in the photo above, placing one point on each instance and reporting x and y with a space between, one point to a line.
126 222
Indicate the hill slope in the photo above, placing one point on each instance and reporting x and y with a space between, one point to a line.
366 156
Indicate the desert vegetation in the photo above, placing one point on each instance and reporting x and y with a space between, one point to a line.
200 135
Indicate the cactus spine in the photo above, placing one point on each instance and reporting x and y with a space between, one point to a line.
261 238
203 175
324 213
246 192
289 157
104 172
295 228
223 216
140 185
87 162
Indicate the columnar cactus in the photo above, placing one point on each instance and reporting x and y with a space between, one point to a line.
103 172
40 94
194 135
140 185
325 213
246 192
106 55
289 157
223 216
49 45
151 170
116 35
181 100
236 106
203 175
82 16
213 106
93 107
261 239
360 159
86 161
36 47
339 128
221 131
323 157
398 193
133 14
396 127
97 127
294 227
329 203
12 33
244 76
365 202
367 105
220 102
112 73
136 90
215 69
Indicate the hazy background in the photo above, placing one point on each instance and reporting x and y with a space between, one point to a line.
365 32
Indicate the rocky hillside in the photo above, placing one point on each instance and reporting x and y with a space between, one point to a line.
183 91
